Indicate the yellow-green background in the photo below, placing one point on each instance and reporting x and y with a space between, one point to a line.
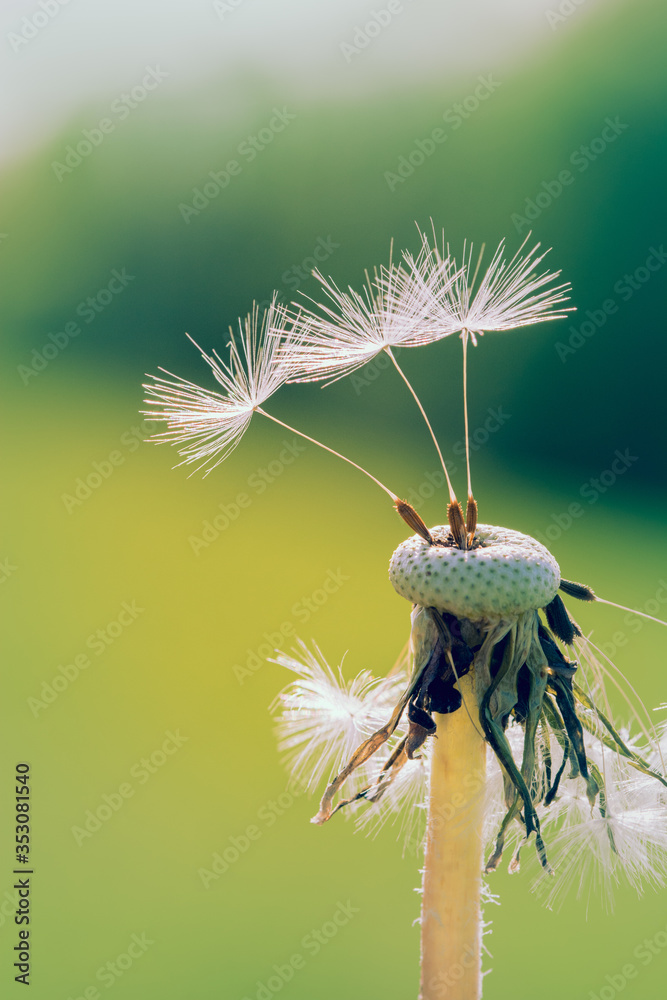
173 669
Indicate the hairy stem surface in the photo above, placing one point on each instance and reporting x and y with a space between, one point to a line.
451 921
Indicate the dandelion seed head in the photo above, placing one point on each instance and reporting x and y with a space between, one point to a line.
207 425
593 850
657 752
507 573
402 806
496 804
356 327
322 717
510 294
622 838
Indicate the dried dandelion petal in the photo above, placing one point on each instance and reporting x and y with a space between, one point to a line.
506 574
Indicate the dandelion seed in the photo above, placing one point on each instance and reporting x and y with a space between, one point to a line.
391 313
493 734
624 838
207 426
342 337
510 295
658 754
403 805
481 650
323 718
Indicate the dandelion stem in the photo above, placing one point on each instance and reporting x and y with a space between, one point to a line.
451 921
471 506
464 338
331 451
452 494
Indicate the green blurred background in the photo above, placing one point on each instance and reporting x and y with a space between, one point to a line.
570 399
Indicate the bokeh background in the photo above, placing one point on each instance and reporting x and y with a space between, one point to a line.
96 518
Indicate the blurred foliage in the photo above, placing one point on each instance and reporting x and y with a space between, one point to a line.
130 538
323 177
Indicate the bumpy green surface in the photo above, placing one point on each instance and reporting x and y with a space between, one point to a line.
507 574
